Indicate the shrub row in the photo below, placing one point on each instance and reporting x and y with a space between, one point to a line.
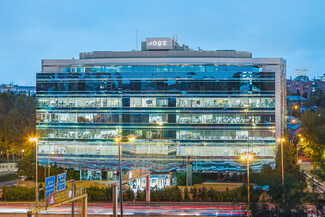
173 193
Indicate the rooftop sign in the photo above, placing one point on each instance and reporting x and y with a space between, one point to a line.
159 44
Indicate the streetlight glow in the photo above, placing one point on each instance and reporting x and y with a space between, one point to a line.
117 138
281 139
248 157
131 138
33 139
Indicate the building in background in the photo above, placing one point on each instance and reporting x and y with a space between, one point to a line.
301 72
300 86
16 89
191 111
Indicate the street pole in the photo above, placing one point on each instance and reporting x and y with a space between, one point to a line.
36 189
248 198
282 170
120 169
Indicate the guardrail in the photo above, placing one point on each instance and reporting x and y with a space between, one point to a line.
318 185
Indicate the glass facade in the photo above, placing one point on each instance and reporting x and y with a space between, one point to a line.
210 115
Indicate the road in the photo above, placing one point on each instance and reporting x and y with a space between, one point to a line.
200 209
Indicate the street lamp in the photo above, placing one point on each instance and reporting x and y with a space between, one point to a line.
247 157
118 140
35 139
48 163
281 140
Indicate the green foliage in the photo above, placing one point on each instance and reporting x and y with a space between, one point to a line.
281 211
204 194
195 194
290 157
181 179
317 98
73 174
312 141
26 166
305 95
198 178
168 194
186 195
18 194
130 195
141 196
96 194
17 122
7 177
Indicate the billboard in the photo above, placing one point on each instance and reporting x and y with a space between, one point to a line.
159 44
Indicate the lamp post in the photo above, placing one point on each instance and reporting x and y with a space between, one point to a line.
35 139
48 163
118 140
247 157
281 140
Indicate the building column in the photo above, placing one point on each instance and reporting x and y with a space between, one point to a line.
189 171
114 191
148 188
84 207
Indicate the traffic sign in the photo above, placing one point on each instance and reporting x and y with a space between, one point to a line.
52 199
60 196
60 181
49 185
135 173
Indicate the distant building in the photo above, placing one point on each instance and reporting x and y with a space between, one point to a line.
16 89
301 86
322 78
301 72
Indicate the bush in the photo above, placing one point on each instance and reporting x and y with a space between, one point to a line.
18 194
7 177
99 194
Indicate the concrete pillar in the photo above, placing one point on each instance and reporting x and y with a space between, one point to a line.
115 198
84 207
148 188
188 171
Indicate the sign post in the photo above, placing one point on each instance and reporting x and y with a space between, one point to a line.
49 185
60 196
60 181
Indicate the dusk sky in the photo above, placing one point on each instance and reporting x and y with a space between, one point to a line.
35 30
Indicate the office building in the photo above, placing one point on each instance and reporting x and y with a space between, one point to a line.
191 111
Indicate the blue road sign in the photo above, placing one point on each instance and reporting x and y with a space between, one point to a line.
49 185
60 181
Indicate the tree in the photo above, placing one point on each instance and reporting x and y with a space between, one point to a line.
312 140
317 98
305 95
26 166
17 122
195 194
186 195
181 179
290 157
204 194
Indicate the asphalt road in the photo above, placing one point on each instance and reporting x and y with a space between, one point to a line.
187 209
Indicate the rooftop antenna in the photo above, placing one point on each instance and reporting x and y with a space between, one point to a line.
136 39
175 39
